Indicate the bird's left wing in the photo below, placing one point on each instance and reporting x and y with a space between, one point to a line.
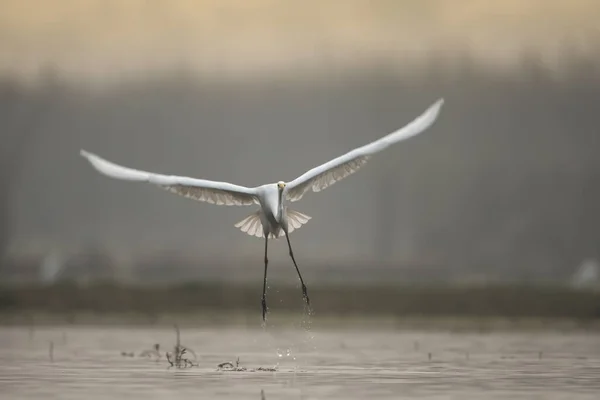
221 193
335 170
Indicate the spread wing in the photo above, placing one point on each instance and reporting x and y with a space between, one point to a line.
335 170
197 189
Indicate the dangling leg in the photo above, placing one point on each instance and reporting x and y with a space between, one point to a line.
264 299
304 293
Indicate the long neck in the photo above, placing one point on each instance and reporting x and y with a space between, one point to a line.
279 204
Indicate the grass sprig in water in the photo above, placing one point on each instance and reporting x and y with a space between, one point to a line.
179 357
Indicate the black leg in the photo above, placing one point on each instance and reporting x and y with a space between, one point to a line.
264 299
304 293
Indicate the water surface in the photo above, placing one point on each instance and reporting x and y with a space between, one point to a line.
87 363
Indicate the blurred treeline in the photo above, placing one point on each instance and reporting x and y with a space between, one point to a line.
203 301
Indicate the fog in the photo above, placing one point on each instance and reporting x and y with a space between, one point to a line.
504 185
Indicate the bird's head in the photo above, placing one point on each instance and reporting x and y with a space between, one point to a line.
281 185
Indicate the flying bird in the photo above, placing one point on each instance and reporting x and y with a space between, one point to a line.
274 218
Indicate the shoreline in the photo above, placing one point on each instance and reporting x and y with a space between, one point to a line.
278 321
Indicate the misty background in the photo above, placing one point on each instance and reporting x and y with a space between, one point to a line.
504 186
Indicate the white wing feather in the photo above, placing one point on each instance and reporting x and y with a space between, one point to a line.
220 193
295 219
335 170
251 225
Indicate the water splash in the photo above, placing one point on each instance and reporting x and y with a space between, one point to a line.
287 353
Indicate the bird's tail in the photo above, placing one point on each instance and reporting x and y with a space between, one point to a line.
252 224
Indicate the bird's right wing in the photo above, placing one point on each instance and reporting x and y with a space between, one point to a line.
335 170
196 189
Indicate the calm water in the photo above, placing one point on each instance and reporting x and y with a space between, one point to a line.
345 364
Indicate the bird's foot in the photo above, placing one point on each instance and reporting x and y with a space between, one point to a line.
305 294
308 308
264 309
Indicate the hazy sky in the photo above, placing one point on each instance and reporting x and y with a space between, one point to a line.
99 39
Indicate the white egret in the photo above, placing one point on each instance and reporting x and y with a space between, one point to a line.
273 219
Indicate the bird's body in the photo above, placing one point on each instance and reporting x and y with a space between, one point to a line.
271 210
273 219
